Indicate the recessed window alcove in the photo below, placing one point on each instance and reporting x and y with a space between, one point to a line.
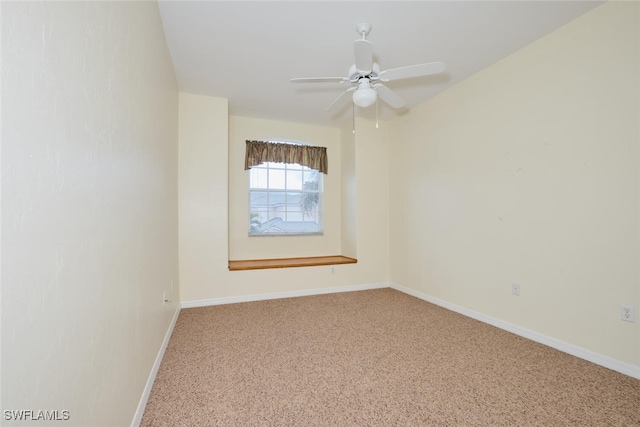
247 252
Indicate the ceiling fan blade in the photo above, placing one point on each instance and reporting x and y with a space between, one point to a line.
411 71
320 80
389 96
364 56
340 98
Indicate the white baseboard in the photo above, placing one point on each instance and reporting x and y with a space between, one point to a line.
598 359
278 295
137 419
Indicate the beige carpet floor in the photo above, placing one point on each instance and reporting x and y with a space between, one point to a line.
373 358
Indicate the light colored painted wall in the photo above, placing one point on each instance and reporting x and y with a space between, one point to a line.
204 192
203 213
241 246
349 206
528 172
89 205
372 183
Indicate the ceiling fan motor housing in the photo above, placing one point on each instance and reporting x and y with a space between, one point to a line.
354 75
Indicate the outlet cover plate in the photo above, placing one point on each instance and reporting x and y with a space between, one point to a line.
627 313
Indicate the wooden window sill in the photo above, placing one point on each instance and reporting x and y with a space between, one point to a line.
258 264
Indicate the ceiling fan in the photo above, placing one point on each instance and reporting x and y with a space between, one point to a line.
366 75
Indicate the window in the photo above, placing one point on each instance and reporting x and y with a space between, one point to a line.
284 199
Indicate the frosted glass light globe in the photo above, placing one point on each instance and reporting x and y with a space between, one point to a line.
365 95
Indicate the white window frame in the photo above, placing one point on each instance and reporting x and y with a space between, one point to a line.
287 191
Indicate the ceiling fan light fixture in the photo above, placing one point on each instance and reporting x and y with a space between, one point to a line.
366 77
364 97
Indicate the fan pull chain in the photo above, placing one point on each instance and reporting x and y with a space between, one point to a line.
353 124
376 113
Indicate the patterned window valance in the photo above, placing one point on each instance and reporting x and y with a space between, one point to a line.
306 155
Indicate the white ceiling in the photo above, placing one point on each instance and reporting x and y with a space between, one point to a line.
248 51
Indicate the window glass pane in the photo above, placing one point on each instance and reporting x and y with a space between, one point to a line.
257 217
309 206
293 200
258 198
276 211
294 180
294 214
277 200
276 179
294 166
258 177
311 181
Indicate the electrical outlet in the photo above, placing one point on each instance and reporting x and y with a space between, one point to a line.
515 289
627 313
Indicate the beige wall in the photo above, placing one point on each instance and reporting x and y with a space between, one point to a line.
372 195
528 172
89 206
349 206
241 246
203 214
205 189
